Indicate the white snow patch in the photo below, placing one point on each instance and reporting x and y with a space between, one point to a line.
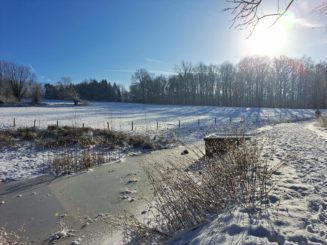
298 212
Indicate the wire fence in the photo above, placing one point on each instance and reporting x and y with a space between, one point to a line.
155 124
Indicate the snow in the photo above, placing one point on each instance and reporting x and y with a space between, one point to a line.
298 212
144 117
298 200
30 162
195 123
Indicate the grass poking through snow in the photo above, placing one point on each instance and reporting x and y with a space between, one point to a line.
186 198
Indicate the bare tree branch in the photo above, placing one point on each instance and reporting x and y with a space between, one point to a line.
246 13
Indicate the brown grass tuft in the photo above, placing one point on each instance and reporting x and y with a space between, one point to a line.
70 161
6 139
323 121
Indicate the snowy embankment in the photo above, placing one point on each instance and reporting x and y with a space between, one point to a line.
185 123
298 212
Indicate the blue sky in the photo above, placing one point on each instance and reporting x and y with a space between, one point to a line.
112 38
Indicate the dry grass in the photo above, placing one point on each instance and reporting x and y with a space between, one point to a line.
6 139
185 198
9 238
69 161
56 137
323 121
135 231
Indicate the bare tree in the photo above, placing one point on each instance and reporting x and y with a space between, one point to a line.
248 13
15 79
67 90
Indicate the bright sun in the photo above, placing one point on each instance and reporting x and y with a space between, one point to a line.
270 40
267 41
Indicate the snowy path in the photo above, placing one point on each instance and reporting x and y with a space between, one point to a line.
299 199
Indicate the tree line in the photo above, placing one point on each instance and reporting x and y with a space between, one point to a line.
88 90
253 82
18 82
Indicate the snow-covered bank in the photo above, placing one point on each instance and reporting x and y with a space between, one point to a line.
298 213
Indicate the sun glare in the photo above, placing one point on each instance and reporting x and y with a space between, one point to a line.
270 39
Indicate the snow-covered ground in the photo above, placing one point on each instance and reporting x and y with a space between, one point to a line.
186 123
298 214
144 117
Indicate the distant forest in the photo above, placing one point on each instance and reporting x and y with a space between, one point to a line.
88 90
253 82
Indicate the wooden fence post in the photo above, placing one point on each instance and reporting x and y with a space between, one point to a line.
14 122
34 123
157 125
179 123
57 123
108 125
132 125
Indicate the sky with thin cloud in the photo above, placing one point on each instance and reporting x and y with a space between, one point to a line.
110 39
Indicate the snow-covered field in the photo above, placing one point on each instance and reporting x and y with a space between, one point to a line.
298 214
195 122
144 117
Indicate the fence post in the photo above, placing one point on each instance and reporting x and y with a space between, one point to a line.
34 123
108 125
14 122
83 125
157 125
57 123
132 125
179 123
215 120
198 122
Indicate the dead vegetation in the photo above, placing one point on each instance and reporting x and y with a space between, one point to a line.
6 139
323 121
70 161
185 198
56 137
71 149
9 238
